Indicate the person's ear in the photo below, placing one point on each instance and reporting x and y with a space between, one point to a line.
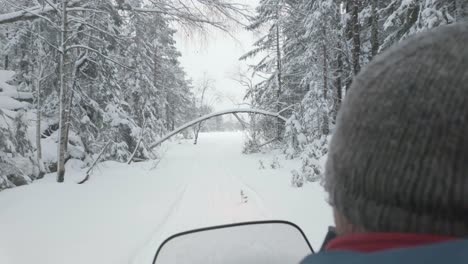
344 226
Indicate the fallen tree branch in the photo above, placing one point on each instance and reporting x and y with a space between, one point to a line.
95 162
134 152
242 122
287 108
268 142
206 117
99 54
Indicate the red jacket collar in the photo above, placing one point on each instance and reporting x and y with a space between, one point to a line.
370 242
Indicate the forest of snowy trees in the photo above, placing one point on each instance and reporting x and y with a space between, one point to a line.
88 79
307 56
82 78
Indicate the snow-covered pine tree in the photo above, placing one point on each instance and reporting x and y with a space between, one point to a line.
403 18
269 94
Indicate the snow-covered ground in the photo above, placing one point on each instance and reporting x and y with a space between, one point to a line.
9 94
125 211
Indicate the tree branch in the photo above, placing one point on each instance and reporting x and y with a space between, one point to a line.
95 162
203 118
99 54
242 122
32 13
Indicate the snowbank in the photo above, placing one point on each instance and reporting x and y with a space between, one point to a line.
9 103
16 166
10 98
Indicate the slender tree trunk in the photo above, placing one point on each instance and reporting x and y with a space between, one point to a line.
168 116
62 146
68 120
71 94
169 113
197 132
356 31
338 81
325 124
374 29
38 125
253 128
7 59
38 116
142 133
345 56
199 126
279 125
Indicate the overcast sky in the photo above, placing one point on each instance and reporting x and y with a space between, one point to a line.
217 55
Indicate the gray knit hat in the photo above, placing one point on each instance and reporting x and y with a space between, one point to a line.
398 160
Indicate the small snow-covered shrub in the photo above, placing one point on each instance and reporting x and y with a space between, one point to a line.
275 164
311 172
262 165
11 176
297 179
313 159
118 151
294 137
250 146
4 183
23 145
17 167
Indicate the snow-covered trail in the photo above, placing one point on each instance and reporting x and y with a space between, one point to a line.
210 174
124 212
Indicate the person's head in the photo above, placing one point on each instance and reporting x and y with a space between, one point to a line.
398 159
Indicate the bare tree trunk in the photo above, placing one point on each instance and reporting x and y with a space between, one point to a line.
325 124
168 114
41 67
374 29
142 133
338 82
7 60
38 114
68 120
242 122
279 125
62 146
356 31
199 126
197 132
253 124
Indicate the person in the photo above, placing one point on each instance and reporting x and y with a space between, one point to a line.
397 170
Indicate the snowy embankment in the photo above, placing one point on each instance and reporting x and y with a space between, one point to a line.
10 98
124 212
16 167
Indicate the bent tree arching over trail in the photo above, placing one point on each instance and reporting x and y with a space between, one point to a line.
212 115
